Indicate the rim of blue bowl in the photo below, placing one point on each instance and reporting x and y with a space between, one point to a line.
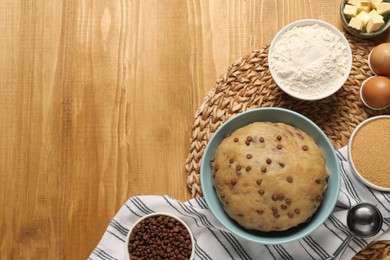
309 227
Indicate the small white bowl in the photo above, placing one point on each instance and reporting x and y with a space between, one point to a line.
354 170
364 101
338 84
156 215
369 63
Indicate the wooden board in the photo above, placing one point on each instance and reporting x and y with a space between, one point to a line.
97 100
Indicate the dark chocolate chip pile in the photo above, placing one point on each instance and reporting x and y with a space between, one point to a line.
160 237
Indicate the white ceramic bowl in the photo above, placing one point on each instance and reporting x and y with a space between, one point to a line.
369 63
354 170
337 85
364 101
160 214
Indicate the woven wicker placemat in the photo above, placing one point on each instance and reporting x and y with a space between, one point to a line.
375 250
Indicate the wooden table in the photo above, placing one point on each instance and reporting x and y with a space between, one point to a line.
97 100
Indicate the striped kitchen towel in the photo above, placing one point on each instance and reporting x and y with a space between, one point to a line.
213 241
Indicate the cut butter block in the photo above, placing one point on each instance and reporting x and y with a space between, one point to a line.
374 23
375 3
350 11
361 7
373 12
365 2
383 8
353 2
364 17
356 23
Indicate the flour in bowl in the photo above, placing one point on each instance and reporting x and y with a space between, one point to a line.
309 60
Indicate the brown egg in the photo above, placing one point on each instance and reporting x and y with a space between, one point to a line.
380 59
376 92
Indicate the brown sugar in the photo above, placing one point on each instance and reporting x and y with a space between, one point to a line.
371 151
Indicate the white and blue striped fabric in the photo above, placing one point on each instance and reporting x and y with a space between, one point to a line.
213 241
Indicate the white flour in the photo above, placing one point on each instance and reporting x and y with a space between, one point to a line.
309 60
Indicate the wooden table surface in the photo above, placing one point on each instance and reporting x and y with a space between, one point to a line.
97 100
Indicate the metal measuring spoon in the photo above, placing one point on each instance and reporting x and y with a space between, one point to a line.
363 220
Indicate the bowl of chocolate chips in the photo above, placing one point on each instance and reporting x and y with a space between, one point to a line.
160 236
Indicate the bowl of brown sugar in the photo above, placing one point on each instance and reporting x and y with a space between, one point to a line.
369 152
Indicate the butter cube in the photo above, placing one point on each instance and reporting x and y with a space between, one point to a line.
383 8
362 7
373 12
356 23
350 11
374 23
375 3
364 17
365 2
353 2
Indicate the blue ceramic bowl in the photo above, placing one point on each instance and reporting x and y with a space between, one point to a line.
271 115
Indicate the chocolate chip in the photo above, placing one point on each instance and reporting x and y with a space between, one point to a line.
305 147
290 179
247 143
279 146
274 197
283 206
238 167
249 138
260 211
281 164
261 139
274 209
240 215
249 156
290 215
213 159
231 160
233 182
238 173
276 215
297 211
319 198
318 181
279 137
261 192
280 197
222 196
263 169
268 161
288 201
259 181
248 168
235 140
216 168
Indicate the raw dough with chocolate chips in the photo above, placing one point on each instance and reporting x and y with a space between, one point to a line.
269 176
